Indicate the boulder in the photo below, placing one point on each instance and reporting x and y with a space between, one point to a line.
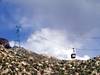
5 43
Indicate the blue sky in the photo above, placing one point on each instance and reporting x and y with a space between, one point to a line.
49 25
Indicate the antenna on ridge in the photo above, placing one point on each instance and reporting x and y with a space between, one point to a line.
18 28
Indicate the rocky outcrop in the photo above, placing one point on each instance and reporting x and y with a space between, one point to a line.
19 61
4 42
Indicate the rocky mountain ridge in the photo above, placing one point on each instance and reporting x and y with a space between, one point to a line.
19 61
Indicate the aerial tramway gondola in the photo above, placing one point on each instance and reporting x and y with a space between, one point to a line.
73 55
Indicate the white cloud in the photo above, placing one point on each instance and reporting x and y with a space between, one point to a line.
51 43
12 43
85 57
59 15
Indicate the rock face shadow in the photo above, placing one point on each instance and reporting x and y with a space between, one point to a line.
5 43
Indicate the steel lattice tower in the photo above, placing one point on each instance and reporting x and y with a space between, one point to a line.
18 29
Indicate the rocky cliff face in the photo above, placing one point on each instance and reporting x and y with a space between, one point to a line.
4 42
18 61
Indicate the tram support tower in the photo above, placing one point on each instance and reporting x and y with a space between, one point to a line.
18 29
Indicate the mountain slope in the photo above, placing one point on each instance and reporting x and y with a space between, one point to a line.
18 61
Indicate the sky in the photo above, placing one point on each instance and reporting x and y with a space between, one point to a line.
53 27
